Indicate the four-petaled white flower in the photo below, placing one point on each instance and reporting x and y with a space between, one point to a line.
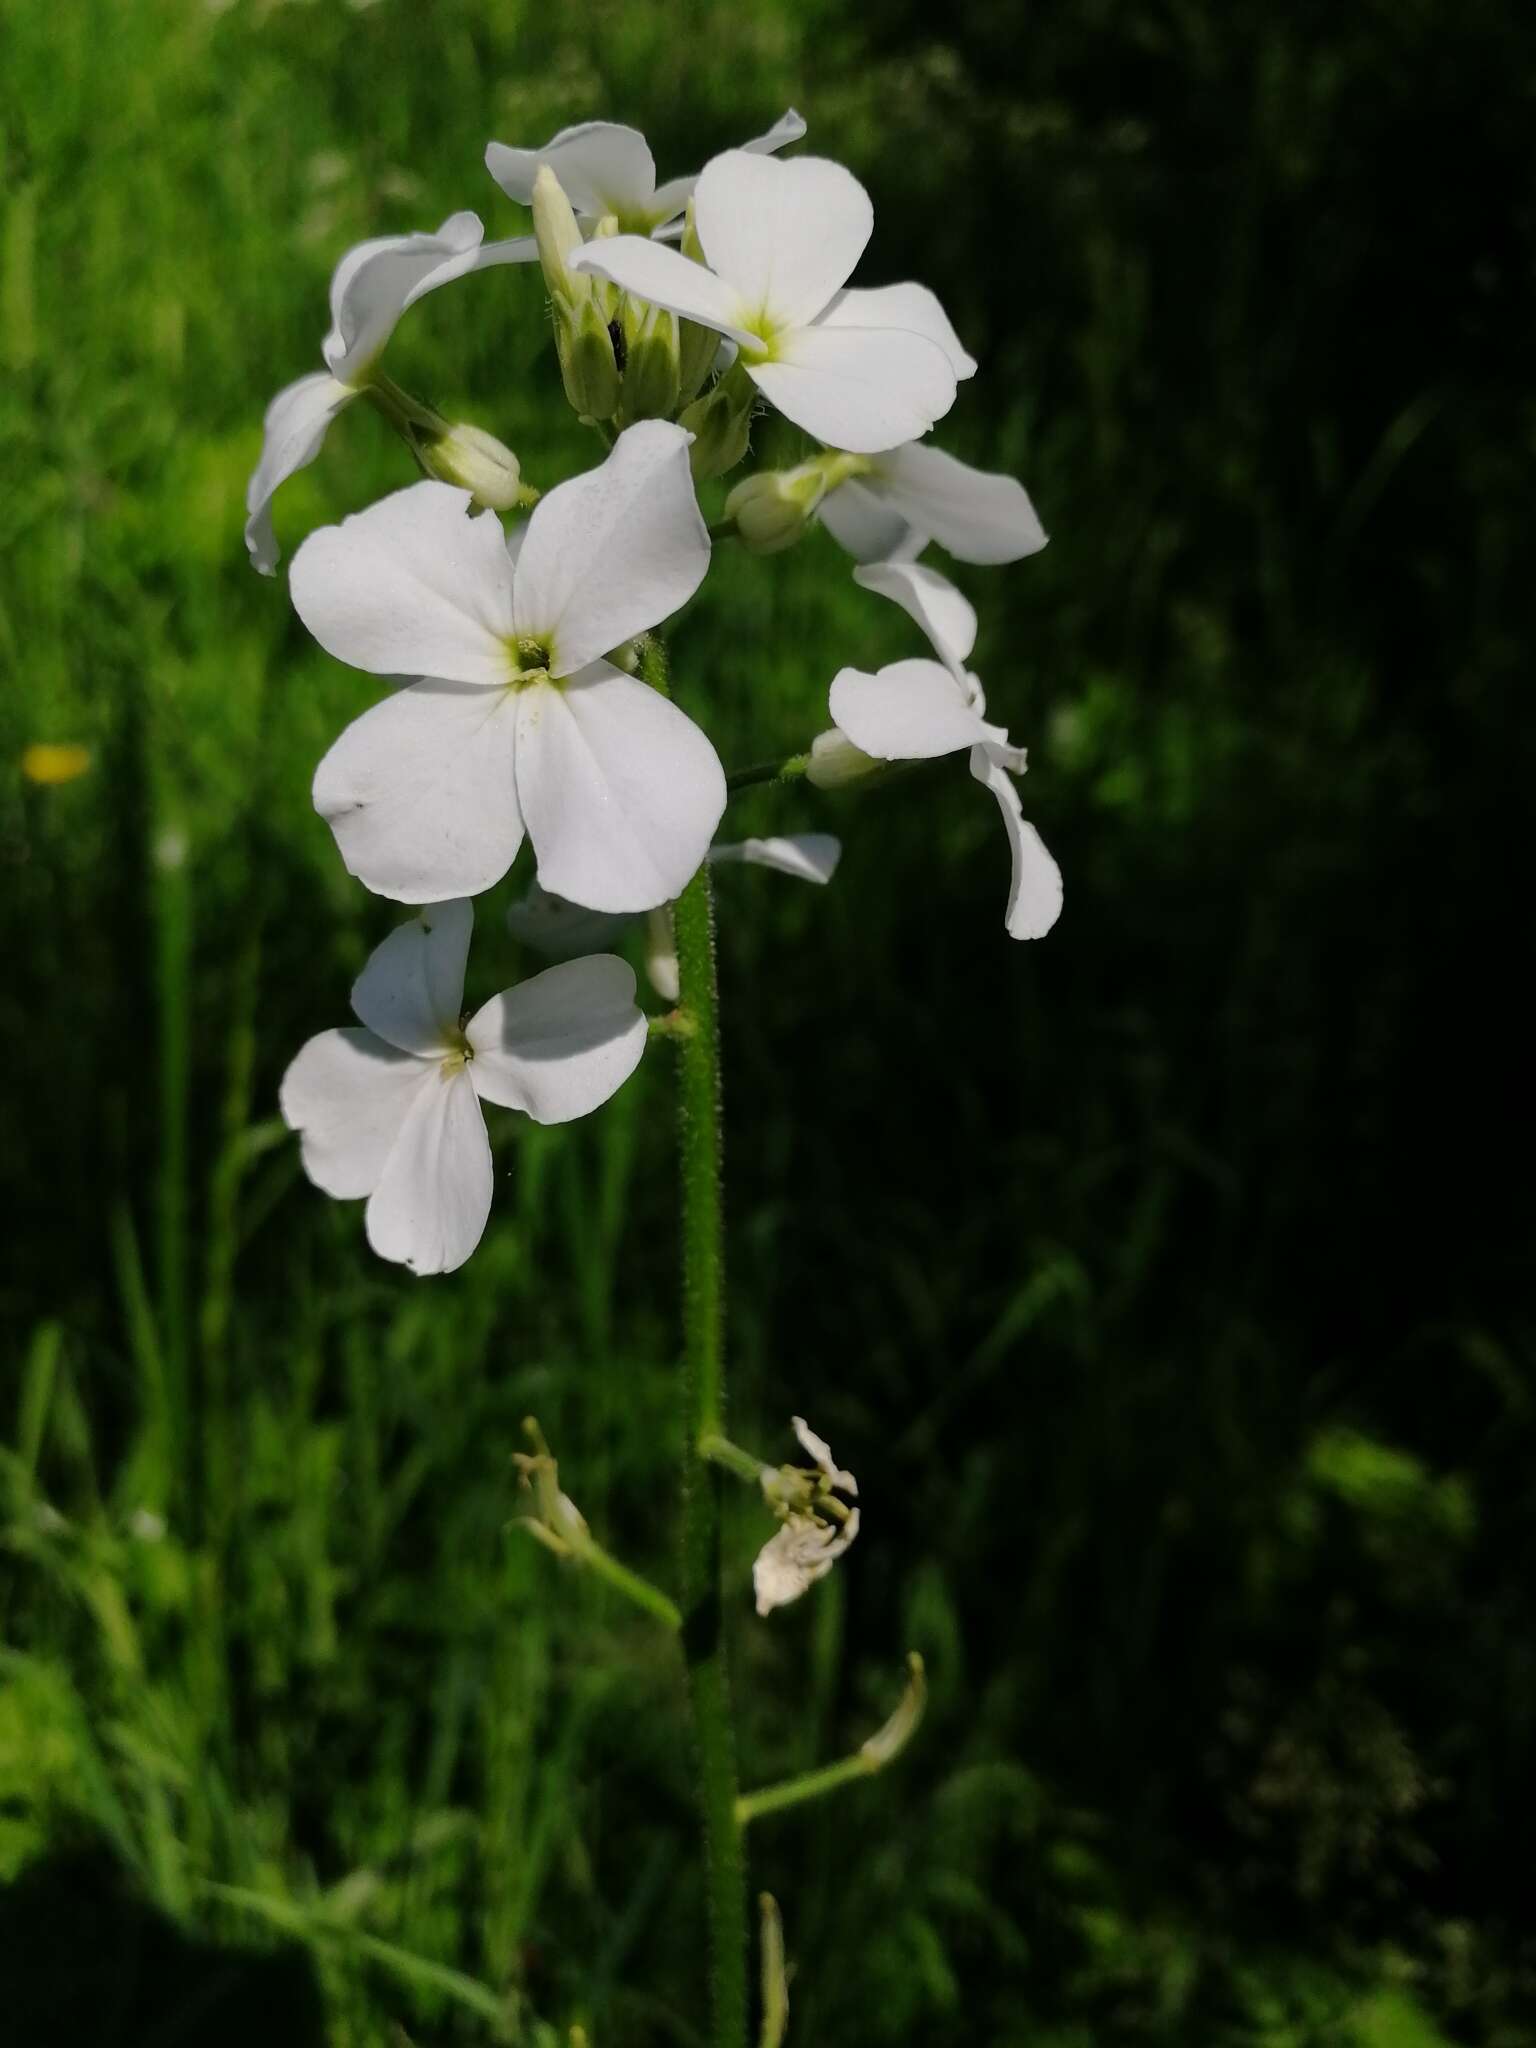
861 370
371 287
816 1527
604 168
899 501
918 710
391 1111
517 723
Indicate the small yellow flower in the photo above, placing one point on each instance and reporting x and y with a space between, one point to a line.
49 762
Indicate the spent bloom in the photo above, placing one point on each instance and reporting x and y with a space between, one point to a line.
391 1111
605 168
516 723
816 1524
860 370
371 287
919 710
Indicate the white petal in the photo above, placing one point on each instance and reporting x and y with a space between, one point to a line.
412 586
517 249
562 930
786 235
1035 893
621 791
429 1209
293 431
912 308
602 166
661 968
910 711
672 197
347 1095
667 278
861 521
421 795
978 515
809 856
859 388
559 1045
820 1453
375 282
412 989
802 1551
614 551
947 617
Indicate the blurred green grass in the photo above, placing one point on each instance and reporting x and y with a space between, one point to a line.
1166 1284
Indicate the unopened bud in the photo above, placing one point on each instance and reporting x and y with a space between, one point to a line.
476 461
697 346
650 361
721 424
772 509
585 349
835 761
558 234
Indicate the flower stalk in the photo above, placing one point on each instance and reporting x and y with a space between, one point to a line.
872 1755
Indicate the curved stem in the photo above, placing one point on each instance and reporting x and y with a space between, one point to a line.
704 1651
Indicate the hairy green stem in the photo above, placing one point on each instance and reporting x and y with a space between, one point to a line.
704 1650
788 770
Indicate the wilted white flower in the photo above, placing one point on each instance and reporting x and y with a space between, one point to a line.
371 287
517 723
392 1111
606 168
895 503
861 370
816 1526
918 710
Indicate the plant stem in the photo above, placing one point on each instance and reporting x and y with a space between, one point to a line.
882 1748
698 1050
789 770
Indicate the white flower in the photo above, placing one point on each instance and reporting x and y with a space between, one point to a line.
392 1111
899 501
605 168
918 710
371 287
552 926
815 1526
516 723
861 370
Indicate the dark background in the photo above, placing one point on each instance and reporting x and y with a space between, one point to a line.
1166 1282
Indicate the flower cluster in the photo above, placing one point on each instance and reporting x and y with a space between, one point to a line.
521 706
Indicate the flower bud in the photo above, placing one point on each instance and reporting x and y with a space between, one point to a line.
585 349
558 234
650 361
721 424
772 509
836 761
476 461
697 346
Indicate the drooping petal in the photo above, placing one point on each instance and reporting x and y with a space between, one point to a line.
945 615
978 515
347 1094
808 856
429 1209
801 1551
647 270
421 795
610 553
860 520
412 989
909 711
621 791
672 197
562 930
912 308
1035 892
786 235
375 282
558 1045
859 388
602 166
295 427
413 586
